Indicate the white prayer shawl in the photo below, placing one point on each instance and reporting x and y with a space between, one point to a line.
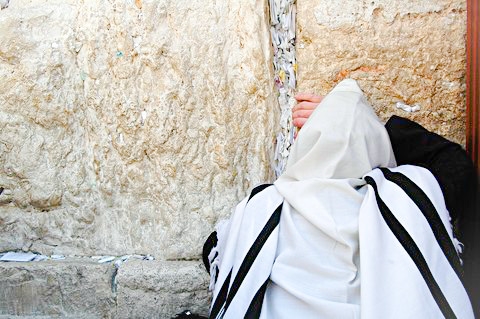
409 257
246 251
316 272
397 279
308 266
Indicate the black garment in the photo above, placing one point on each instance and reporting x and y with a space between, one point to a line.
187 314
447 161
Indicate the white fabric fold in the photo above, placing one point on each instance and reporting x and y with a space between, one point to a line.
317 266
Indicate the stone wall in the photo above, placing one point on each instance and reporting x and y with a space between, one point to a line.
130 126
409 51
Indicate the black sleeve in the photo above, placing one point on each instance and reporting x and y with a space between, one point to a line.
207 248
446 160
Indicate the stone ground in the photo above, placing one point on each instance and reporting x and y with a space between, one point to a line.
83 288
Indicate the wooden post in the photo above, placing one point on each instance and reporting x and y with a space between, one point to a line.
473 82
472 228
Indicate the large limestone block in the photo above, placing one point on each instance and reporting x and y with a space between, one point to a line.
82 288
161 289
130 126
74 288
408 51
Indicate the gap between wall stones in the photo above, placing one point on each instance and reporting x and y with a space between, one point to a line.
282 28
116 261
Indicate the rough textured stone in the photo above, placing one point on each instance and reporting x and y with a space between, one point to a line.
399 51
130 126
82 288
75 288
161 288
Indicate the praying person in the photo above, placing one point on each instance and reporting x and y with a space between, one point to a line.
453 170
344 232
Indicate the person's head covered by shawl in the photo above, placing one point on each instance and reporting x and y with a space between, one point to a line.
343 138
341 141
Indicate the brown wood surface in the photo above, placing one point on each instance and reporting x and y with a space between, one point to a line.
472 222
473 83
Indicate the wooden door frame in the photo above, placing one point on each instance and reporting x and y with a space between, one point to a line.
473 83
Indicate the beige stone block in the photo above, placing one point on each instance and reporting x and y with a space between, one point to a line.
399 51
130 126
161 289
74 288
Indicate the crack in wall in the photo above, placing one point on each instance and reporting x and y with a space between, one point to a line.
282 21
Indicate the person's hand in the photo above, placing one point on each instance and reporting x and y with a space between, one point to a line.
307 102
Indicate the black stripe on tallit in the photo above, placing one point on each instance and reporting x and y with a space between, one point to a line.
253 252
257 190
413 251
431 215
253 311
221 297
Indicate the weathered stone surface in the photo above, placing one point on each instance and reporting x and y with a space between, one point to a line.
130 126
162 289
74 288
399 51
82 288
